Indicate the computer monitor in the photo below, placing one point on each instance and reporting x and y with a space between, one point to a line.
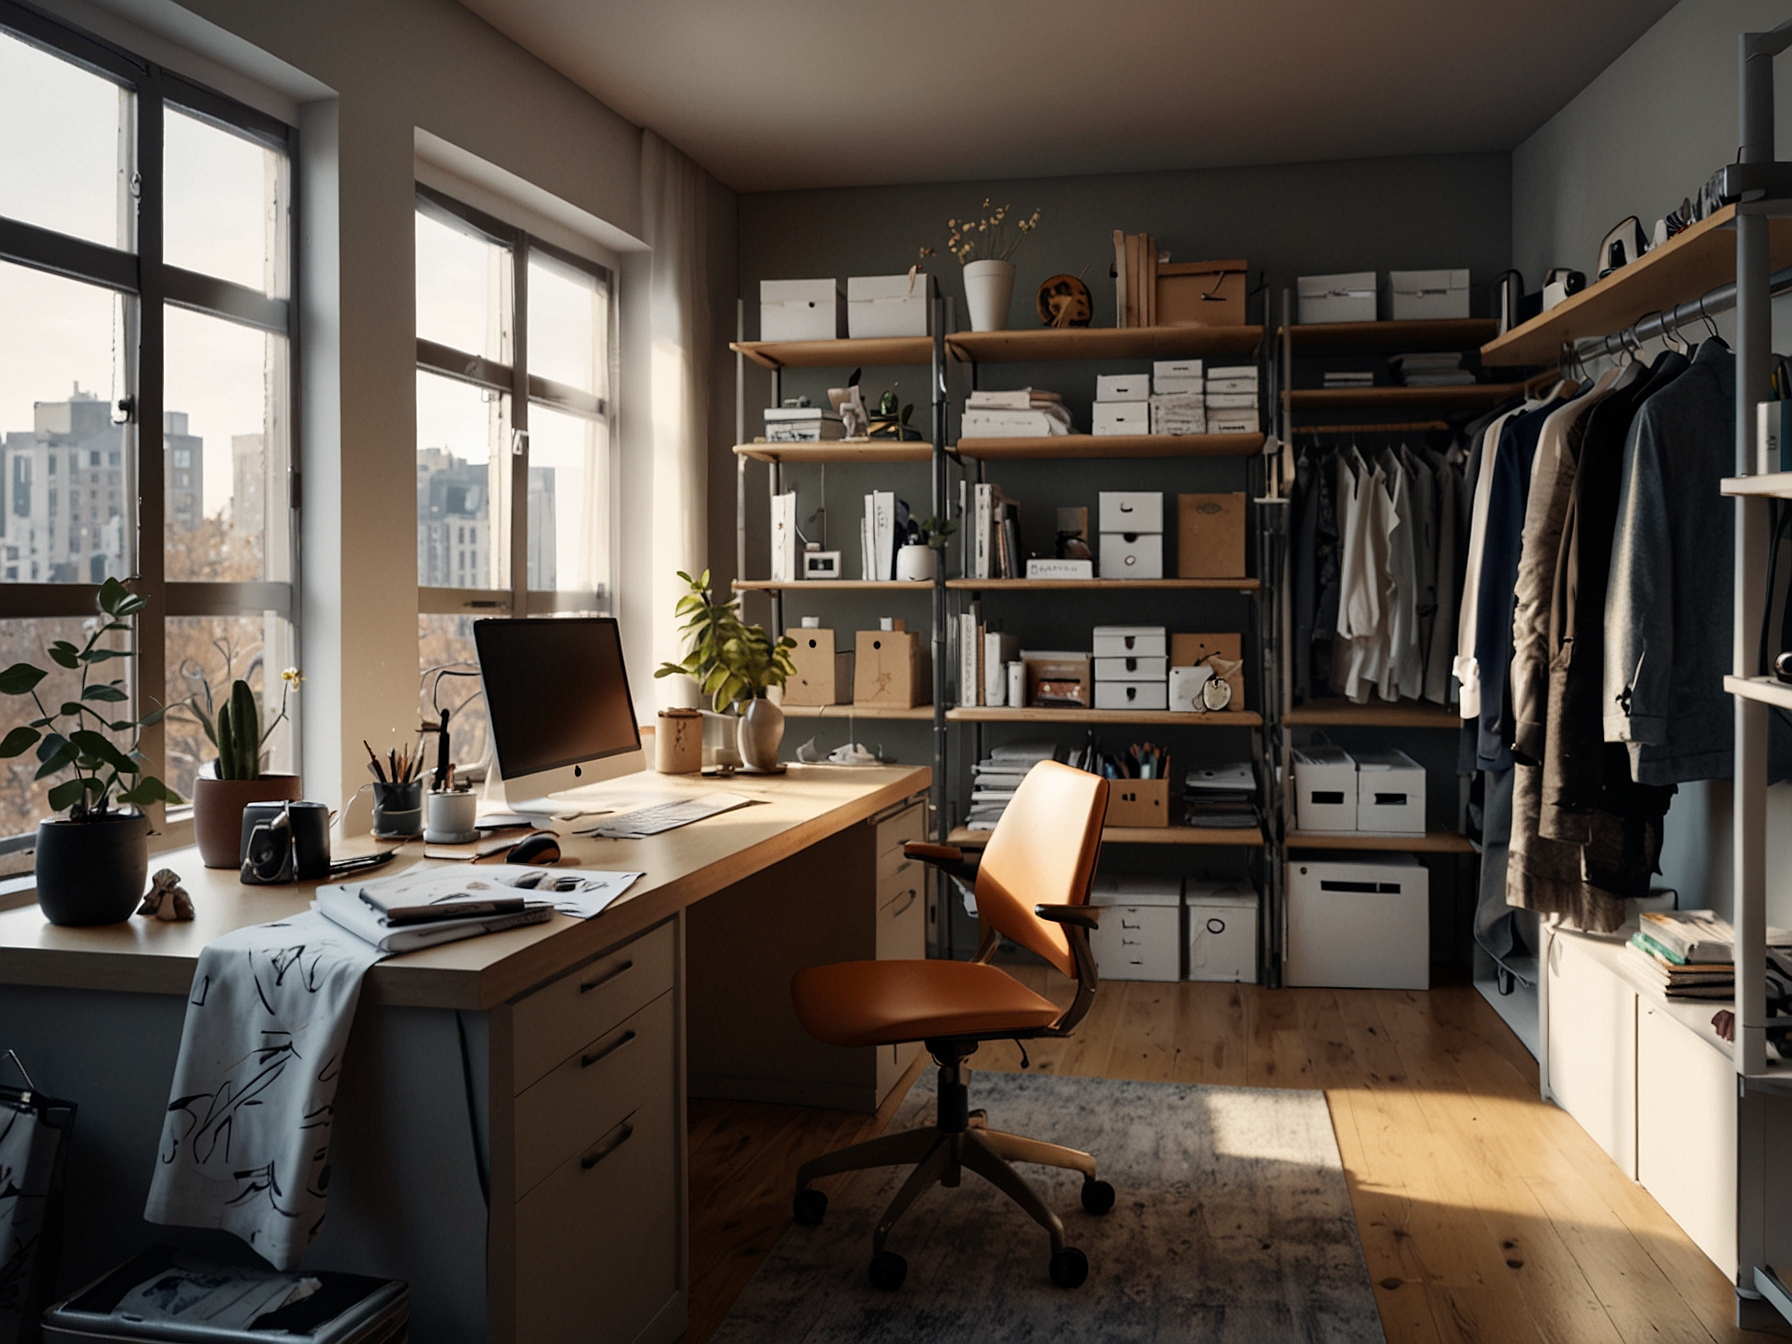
558 703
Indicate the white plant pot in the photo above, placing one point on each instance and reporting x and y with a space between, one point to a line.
989 291
916 564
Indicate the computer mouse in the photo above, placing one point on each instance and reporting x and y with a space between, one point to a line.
542 847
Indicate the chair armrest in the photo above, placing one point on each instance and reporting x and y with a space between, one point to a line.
920 849
1083 916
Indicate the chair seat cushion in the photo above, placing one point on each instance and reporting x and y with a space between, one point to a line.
884 1002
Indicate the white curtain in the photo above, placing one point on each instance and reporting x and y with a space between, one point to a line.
673 206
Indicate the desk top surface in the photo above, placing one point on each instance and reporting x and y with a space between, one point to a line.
790 813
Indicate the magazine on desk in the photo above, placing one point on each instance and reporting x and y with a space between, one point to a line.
489 892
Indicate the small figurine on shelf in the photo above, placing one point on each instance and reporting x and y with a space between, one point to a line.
890 422
849 404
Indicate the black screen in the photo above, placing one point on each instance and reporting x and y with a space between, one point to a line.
556 693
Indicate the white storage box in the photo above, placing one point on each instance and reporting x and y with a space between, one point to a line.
1185 685
1242 379
1390 793
1348 297
1131 669
1231 401
1222 931
1359 925
1122 417
888 305
1324 789
1131 511
1413 295
1122 387
1233 422
1176 368
1131 641
1167 384
1140 934
1132 555
801 310
1132 695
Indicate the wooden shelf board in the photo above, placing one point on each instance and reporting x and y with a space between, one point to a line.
1238 836
1432 842
1103 585
916 713
832 585
1765 689
1376 714
836 450
875 352
1230 718
1392 338
1091 446
1043 343
1467 397
1681 269
1772 485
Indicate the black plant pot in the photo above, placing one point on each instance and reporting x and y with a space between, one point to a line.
91 872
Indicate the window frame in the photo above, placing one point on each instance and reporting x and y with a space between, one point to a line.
147 284
523 389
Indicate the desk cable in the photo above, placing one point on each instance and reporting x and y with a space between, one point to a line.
466 1074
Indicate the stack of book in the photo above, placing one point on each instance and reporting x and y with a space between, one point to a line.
1024 413
995 778
802 424
1348 378
983 658
1231 396
1692 953
1443 369
992 540
1135 279
1220 797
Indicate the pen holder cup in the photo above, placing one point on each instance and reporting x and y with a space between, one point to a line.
451 816
397 810
1138 802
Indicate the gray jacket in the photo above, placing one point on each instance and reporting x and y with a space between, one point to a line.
1668 617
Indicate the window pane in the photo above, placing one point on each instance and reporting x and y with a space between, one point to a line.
63 514
464 293
223 207
462 474
445 644
64 160
209 653
568 324
224 453
569 512
23 801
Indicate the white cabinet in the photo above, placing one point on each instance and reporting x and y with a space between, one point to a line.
1686 1131
1592 1046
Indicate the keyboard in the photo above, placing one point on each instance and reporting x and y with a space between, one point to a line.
662 817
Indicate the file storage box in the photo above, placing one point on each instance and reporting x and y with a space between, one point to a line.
1140 935
1132 555
1131 511
1176 368
1131 669
1121 417
888 305
1131 641
892 667
1189 650
1201 293
823 670
1210 534
1414 295
1390 793
1347 297
1122 387
1222 931
1132 695
801 310
1325 793
1358 925
1139 802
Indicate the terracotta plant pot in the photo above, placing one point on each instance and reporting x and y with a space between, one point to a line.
218 812
92 872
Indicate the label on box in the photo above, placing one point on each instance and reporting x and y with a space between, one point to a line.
1060 569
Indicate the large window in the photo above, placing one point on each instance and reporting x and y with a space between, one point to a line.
145 278
514 342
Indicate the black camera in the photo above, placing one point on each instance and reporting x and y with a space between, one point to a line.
285 842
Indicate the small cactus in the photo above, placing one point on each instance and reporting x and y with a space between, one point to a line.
239 735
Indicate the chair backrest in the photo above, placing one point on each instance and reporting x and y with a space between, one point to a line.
1043 852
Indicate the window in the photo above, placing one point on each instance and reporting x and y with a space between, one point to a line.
146 270
514 414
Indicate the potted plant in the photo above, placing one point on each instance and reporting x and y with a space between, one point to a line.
734 664
91 863
983 247
237 778
918 557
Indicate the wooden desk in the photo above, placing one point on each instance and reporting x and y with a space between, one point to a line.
465 1062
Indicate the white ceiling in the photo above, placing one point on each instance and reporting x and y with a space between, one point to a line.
779 94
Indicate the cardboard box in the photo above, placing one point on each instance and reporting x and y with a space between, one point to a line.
1139 802
892 667
1222 931
1060 679
1131 641
1140 934
1347 297
801 310
1325 790
1122 387
1131 511
1408 296
1121 417
1201 294
1148 695
823 671
1189 650
1210 536
1390 793
1131 669
1132 555
1359 925
888 305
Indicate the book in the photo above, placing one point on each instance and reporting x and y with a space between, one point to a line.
1133 316
998 651
1119 278
784 537
345 908
983 497
1019 399
970 682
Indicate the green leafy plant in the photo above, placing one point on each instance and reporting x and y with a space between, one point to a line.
235 728
729 660
73 737
932 532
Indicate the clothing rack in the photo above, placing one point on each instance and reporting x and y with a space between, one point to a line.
1668 323
1394 427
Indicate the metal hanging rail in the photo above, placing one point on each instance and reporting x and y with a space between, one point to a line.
1669 322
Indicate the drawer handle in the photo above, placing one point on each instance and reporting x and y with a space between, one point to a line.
624 1133
586 1061
606 977
911 893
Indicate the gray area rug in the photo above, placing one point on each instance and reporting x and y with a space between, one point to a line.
1233 1223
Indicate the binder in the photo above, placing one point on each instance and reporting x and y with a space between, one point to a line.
983 530
784 537
998 651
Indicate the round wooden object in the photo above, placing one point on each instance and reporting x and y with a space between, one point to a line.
1063 301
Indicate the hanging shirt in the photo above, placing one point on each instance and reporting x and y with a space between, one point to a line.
1360 651
1402 673
1441 649
1468 672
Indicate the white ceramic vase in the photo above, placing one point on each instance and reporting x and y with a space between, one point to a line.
916 563
761 730
989 290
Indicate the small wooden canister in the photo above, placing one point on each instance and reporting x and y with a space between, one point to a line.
678 742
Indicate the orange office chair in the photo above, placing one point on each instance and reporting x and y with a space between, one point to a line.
1032 886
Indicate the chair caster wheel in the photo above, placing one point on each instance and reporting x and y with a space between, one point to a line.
811 1206
1098 1197
888 1270
1069 1267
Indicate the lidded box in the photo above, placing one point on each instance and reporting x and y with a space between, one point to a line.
888 305
801 310
1140 934
1345 297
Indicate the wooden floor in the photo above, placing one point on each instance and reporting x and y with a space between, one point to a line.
1486 1214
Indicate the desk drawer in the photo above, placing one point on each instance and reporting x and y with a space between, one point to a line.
896 872
597 1240
902 919
562 1016
895 832
591 1091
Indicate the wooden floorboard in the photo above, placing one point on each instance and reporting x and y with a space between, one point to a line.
1485 1213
